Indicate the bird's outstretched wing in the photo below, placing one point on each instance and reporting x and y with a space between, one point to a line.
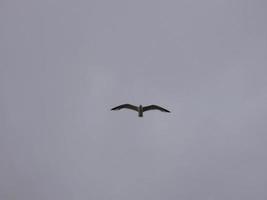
154 107
129 106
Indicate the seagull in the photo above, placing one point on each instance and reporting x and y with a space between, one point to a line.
140 109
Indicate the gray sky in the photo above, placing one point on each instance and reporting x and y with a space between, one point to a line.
64 64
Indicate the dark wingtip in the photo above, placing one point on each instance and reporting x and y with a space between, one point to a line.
165 110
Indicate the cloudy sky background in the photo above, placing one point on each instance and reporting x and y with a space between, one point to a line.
64 64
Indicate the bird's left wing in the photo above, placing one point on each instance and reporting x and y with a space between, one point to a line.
129 106
155 107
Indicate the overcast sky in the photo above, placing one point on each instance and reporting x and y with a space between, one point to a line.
64 64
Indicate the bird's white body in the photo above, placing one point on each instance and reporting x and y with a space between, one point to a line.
140 111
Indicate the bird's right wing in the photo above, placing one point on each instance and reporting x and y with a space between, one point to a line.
155 107
129 106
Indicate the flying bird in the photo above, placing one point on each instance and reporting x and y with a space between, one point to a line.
140 109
